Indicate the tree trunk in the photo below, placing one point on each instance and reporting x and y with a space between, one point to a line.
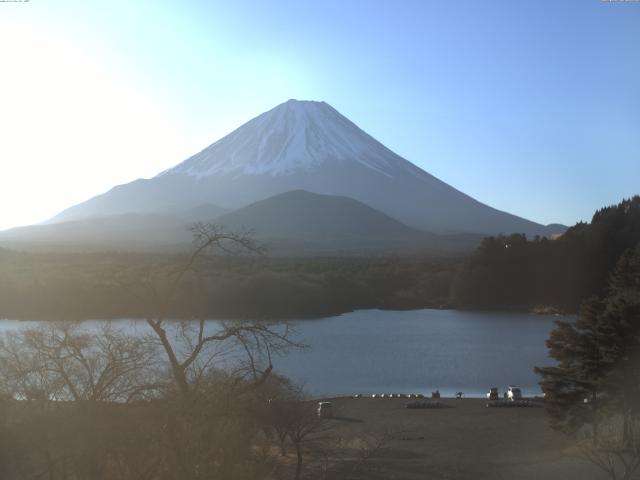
178 372
299 463
594 409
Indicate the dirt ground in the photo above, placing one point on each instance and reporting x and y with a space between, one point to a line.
465 440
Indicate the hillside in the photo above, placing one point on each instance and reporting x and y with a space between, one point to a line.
324 223
516 273
292 223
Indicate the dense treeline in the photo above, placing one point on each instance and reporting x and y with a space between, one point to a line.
505 272
80 286
511 272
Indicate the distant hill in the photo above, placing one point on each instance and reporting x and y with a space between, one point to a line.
310 221
292 223
127 232
206 212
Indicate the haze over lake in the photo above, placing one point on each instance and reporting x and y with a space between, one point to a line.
414 351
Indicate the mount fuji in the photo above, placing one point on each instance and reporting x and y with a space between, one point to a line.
305 145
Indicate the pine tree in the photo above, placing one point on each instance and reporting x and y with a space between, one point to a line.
573 388
598 355
619 333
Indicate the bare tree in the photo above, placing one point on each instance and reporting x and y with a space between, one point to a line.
208 362
63 361
349 458
67 386
171 402
192 345
319 447
294 420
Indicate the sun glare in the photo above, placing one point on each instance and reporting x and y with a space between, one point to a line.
66 121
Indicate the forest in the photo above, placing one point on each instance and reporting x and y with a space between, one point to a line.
80 286
503 273
514 273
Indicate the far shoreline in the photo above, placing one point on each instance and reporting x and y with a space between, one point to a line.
541 311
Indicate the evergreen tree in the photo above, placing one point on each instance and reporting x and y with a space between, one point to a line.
573 395
619 333
598 370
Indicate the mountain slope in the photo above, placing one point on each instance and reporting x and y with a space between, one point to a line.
130 231
203 213
309 146
324 222
291 223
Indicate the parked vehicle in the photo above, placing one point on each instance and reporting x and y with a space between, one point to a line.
514 393
493 394
325 409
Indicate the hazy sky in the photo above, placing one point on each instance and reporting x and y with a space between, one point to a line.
531 107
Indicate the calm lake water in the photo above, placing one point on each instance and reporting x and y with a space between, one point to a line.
417 351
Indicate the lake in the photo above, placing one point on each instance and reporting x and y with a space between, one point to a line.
415 351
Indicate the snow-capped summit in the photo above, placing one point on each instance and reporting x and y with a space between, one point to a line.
305 145
296 135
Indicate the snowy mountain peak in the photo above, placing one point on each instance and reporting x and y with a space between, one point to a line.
292 137
304 145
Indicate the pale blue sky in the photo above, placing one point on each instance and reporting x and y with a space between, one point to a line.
529 106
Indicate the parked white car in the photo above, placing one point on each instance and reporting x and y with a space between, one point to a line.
514 393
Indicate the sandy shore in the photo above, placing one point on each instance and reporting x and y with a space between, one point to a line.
465 440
